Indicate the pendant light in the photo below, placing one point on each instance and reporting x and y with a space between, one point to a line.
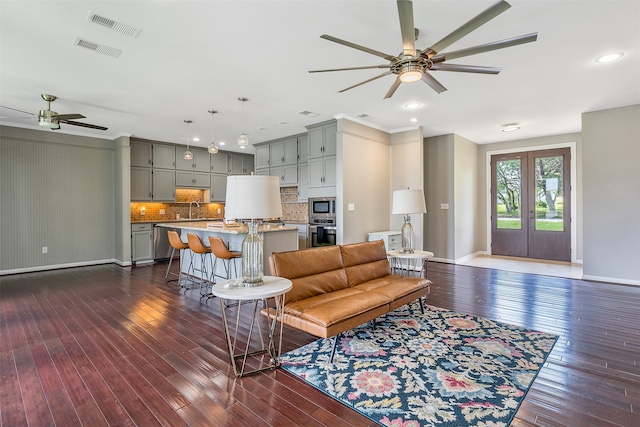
243 141
188 155
213 148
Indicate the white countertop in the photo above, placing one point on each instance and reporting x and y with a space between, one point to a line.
229 229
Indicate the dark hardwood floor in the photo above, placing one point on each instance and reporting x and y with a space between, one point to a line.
106 345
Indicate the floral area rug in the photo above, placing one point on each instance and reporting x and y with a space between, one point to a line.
439 368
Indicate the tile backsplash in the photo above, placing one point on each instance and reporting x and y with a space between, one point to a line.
292 210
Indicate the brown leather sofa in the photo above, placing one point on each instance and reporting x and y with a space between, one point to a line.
336 288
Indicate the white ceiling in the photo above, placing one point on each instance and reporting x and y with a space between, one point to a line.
194 56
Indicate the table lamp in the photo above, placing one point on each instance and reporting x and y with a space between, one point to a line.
407 202
252 197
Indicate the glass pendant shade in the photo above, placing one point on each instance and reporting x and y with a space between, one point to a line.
213 148
188 155
243 141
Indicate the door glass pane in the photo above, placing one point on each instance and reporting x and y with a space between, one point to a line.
508 195
549 196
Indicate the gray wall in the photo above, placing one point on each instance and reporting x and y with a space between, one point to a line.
57 191
465 205
611 179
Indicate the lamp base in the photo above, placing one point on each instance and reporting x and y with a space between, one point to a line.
407 235
252 272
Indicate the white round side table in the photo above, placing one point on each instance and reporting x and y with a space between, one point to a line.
411 261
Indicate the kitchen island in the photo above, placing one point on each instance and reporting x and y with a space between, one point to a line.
276 238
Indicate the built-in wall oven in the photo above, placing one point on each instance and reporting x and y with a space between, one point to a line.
322 221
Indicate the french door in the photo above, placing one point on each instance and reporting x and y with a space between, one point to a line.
531 204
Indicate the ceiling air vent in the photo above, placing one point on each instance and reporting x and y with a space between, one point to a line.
100 48
308 113
365 116
114 25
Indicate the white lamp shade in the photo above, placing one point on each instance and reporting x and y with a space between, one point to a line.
253 197
408 202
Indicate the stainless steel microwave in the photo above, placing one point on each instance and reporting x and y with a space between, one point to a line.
322 210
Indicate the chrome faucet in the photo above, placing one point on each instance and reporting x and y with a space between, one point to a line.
191 204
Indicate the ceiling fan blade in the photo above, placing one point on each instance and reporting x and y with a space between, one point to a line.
20 111
501 44
431 81
468 27
465 68
69 116
85 125
366 81
393 88
362 48
351 68
405 12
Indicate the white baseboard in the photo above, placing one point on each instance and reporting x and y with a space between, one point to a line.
56 266
611 280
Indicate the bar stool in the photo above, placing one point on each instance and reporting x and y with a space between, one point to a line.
220 251
176 243
197 247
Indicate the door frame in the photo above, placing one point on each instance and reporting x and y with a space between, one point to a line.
574 192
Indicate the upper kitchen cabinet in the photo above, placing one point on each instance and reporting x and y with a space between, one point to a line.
284 153
322 139
201 161
140 153
140 183
303 149
218 191
262 156
164 185
164 156
240 164
192 179
220 163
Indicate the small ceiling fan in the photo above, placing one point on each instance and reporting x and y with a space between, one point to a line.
413 65
51 119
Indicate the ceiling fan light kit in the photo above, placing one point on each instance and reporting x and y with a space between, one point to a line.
413 65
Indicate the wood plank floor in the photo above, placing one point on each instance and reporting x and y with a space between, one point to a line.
106 345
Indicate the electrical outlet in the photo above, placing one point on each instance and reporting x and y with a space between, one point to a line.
351 207
219 210
162 211
45 249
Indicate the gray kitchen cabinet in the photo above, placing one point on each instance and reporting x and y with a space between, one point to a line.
193 179
201 161
164 185
140 154
322 172
219 163
392 239
218 191
284 153
288 175
164 156
303 182
303 149
322 139
141 243
240 164
263 171
140 184
262 156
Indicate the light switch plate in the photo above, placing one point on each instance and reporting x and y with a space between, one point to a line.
444 205
351 207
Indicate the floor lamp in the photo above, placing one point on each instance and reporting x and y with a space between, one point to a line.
407 202
252 197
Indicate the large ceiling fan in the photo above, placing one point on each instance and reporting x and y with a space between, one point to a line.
51 119
413 65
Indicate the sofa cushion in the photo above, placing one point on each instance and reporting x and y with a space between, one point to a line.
316 284
306 262
335 307
365 261
394 286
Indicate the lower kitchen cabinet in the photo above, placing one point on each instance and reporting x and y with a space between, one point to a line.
392 239
141 243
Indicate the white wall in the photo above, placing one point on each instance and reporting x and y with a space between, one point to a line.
407 171
363 180
611 180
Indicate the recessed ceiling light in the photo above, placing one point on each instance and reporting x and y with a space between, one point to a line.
412 105
413 119
510 127
609 57
222 143
196 139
